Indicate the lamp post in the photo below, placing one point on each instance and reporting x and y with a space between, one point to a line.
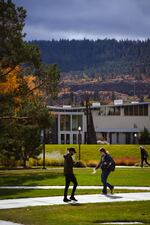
136 138
43 147
79 139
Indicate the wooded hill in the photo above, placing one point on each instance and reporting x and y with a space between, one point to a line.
101 56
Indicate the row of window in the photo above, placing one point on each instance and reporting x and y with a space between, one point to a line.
70 122
129 110
76 139
66 139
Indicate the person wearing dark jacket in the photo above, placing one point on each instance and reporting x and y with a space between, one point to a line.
105 165
144 156
69 175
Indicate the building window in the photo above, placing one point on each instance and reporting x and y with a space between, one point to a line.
117 138
102 111
113 111
65 122
76 122
67 138
128 138
62 139
136 110
74 138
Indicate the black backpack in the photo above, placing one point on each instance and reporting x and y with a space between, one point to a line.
113 165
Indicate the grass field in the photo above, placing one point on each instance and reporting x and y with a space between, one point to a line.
54 176
84 214
90 152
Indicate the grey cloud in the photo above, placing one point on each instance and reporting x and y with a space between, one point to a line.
87 18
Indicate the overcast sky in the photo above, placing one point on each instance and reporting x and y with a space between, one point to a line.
91 19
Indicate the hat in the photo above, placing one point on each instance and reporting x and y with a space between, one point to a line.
102 150
71 149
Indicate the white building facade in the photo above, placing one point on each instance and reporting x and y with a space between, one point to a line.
115 124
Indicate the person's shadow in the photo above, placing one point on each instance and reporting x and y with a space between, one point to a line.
113 196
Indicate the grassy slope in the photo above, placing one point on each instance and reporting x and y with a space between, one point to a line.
90 152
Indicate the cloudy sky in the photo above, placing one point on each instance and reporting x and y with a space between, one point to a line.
91 19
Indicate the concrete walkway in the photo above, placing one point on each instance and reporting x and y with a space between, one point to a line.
82 199
2 222
79 187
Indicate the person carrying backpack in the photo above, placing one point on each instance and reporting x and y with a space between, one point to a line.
107 165
144 156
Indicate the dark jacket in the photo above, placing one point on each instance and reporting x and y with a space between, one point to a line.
144 154
106 162
68 164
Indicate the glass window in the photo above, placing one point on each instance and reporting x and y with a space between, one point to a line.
74 138
62 139
113 111
128 138
65 122
76 122
145 113
136 110
102 111
67 138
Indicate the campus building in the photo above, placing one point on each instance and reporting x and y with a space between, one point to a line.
115 124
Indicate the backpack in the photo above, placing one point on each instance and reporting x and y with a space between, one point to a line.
113 165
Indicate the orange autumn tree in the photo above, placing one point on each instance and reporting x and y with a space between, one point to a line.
15 88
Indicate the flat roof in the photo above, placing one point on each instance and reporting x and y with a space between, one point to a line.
122 130
80 108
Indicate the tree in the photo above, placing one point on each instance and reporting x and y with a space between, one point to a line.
26 86
10 144
144 136
30 135
13 49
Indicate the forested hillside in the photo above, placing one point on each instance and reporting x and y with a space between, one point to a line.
100 56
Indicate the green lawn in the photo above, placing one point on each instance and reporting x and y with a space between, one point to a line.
54 176
90 152
84 214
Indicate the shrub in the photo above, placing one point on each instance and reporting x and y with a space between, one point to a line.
126 161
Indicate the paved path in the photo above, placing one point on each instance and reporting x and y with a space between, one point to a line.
2 222
79 187
58 200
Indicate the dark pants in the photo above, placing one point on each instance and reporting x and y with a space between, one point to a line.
144 159
70 178
104 176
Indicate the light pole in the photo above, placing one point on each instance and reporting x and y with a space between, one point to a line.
43 147
79 139
136 138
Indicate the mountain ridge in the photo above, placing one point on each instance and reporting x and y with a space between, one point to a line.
106 57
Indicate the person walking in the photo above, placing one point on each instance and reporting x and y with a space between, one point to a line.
69 175
107 165
144 156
